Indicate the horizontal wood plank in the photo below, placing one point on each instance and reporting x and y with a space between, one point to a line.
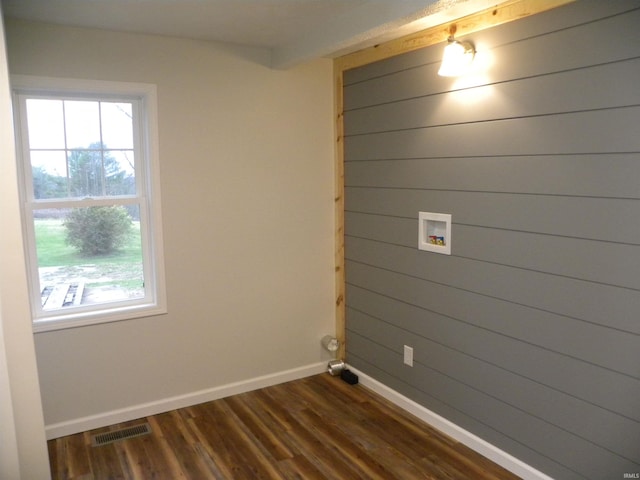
570 91
587 175
563 134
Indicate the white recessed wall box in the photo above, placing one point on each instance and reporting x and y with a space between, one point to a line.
434 232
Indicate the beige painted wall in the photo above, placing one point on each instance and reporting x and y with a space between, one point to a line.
246 166
23 451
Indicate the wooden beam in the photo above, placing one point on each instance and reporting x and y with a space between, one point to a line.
339 214
502 12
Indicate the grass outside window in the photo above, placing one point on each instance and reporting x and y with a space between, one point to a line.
59 262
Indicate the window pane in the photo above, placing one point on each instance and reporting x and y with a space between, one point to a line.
119 172
88 255
49 173
117 125
46 123
85 173
82 121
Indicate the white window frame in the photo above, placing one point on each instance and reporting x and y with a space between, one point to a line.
148 195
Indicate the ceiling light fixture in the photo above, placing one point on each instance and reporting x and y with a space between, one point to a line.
457 58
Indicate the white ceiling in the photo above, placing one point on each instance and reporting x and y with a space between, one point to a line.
294 30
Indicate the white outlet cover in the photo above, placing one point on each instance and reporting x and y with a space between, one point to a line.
408 355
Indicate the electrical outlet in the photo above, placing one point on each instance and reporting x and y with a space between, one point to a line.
408 355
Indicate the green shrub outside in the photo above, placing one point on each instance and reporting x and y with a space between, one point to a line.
98 230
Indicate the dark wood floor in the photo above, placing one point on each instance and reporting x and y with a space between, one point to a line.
315 428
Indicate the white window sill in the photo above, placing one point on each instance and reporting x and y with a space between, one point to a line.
83 319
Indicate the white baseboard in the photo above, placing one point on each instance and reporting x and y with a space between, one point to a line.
84 424
484 448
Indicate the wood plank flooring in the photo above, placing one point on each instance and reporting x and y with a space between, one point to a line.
315 428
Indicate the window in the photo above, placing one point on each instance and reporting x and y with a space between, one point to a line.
88 167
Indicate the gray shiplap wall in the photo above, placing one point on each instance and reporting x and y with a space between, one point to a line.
528 335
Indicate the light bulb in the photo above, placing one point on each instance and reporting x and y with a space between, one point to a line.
457 59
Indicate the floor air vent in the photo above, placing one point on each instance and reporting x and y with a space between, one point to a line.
123 434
